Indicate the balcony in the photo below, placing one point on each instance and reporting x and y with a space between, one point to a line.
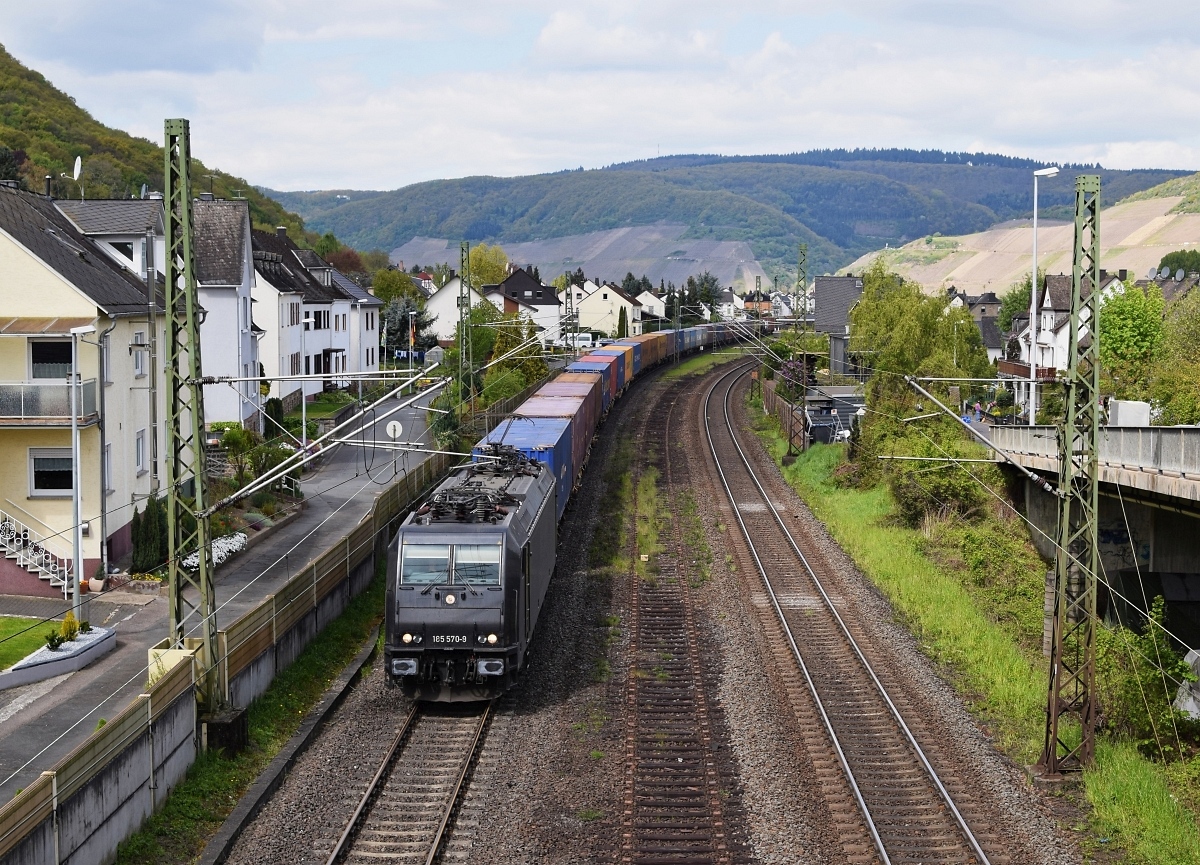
45 402
1020 369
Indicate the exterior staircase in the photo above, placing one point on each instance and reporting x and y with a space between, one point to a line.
30 551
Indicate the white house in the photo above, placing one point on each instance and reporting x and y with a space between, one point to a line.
601 311
278 309
364 324
652 304
54 278
442 306
731 306
122 228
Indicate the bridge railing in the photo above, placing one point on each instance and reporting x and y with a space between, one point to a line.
1168 449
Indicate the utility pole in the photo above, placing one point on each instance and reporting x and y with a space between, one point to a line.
188 529
572 339
466 366
1072 688
802 282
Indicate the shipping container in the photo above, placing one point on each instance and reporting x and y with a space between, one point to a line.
605 366
545 439
633 343
584 413
590 384
625 352
618 362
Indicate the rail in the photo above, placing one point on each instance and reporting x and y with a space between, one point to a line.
823 710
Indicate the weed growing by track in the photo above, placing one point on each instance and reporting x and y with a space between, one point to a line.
198 806
649 517
700 363
608 540
695 541
948 589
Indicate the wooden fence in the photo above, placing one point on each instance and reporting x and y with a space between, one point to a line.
791 419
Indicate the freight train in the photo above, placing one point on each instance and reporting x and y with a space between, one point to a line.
469 569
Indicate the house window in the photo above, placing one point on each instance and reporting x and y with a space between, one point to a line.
50 359
307 369
139 356
105 362
50 472
139 451
605 296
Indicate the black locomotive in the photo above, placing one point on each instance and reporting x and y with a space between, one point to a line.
467 575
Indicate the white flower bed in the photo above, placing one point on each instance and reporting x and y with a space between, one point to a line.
223 549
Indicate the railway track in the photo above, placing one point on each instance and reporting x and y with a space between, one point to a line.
409 806
674 802
899 802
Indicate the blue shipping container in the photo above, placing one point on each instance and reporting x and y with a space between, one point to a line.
637 354
607 378
622 374
547 440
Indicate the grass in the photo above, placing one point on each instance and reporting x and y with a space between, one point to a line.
20 637
608 540
648 523
198 806
700 363
695 541
991 658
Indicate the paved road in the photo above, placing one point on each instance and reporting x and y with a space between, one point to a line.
42 722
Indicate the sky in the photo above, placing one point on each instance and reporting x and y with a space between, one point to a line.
378 94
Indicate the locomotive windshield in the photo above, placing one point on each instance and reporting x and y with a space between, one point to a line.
477 565
429 564
425 564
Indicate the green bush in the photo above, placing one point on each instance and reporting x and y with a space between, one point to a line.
149 536
1138 676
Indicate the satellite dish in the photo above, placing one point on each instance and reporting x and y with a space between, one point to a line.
1153 273
1164 273
1179 275
78 168
143 190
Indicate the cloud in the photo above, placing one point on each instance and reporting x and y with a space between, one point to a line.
379 93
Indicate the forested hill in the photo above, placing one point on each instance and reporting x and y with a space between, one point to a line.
843 203
42 130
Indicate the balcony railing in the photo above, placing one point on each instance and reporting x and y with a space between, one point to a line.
1020 369
45 399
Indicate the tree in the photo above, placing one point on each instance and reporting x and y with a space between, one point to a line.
10 163
1015 301
327 244
1175 385
1131 334
395 319
238 443
374 260
346 260
1187 259
622 324
489 265
441 273
561 281
273 409
389 284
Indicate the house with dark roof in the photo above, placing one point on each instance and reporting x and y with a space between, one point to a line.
522 286
834 297
224 274
53 278
327 347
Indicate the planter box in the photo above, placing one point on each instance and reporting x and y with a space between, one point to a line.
72 656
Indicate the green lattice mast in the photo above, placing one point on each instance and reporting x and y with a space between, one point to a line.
192 615
1072 689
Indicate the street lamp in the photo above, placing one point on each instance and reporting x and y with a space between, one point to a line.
411 336
1033 296
76 481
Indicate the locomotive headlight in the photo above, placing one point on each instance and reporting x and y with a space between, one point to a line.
407 638
491 639
449 599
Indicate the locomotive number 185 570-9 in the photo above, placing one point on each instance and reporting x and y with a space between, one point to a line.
448 638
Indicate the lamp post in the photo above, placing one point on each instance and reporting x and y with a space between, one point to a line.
411 313
1033 298
76 481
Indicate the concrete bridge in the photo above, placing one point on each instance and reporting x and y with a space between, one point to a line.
1149 513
